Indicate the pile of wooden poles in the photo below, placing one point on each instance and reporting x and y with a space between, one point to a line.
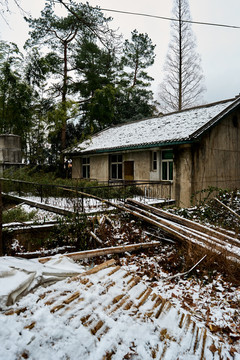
186 230
218 241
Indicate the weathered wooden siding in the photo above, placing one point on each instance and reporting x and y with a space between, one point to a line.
216 159
99 167
76 168
142 163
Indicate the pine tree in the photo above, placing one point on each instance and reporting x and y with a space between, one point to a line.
135 99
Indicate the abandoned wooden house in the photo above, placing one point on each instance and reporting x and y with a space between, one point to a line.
185 151
10 151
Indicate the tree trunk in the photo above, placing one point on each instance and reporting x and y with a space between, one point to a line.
64 95
180 58
1 239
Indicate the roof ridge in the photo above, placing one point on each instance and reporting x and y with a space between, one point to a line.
217 117
172 113
201 106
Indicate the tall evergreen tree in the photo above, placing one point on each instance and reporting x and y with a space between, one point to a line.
182 85
62 36
138 55
135 99
16 95
36 74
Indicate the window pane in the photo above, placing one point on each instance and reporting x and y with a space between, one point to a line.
170 170
86 161
114 158
119 171
167 154
119 158
84 173
164 171
154 160
114 171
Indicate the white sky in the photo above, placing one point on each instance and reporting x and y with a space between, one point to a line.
219 47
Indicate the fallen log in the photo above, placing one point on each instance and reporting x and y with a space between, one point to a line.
104 251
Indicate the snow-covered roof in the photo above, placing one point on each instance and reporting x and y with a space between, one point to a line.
183 126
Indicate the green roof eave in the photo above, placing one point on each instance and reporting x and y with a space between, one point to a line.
139 147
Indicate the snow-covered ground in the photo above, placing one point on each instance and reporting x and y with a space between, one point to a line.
112 314
33 331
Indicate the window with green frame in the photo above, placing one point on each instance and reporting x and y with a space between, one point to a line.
154 161
167 165
86 167
116 167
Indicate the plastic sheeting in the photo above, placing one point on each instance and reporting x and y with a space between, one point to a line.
20 276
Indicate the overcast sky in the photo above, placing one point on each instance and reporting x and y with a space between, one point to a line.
219 47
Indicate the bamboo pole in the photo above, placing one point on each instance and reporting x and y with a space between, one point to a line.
186 272
186 222
196 236
172 231
227 207
95 269
104 251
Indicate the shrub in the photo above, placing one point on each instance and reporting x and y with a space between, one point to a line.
17 215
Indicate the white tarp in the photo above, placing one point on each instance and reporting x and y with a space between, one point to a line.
20 276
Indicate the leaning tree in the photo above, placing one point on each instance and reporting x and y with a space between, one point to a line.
182 85
61 37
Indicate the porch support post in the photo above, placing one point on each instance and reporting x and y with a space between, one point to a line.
183 175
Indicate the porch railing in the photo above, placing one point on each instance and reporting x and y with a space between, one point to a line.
72 197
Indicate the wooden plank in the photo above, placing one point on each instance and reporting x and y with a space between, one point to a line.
104 251
50 208
94 270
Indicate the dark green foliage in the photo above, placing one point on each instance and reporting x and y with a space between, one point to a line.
207 210
80 85
72 231
138 54
16 96
133 104
95 67
17 215
101 109
134 100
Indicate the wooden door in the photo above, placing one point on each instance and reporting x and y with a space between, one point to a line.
129 170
